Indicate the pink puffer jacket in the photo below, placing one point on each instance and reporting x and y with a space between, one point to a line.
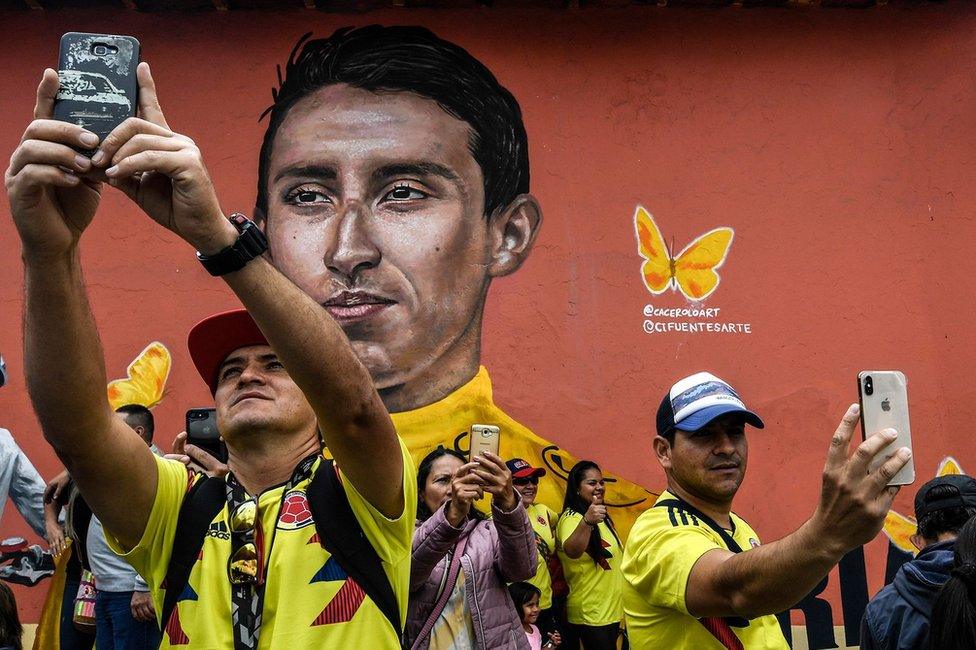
498 551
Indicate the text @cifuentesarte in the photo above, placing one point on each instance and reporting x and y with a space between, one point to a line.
690 320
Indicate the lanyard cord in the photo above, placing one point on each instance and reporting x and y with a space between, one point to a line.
247 600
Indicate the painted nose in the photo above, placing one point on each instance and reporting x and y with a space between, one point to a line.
352 250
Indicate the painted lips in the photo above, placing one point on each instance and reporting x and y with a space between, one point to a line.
351 306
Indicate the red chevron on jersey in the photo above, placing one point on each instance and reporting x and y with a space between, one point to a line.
175 631
344 605
314 539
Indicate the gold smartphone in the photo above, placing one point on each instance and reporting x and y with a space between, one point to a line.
883 395
484 437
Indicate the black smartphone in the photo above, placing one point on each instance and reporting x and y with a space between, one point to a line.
98 89
201 430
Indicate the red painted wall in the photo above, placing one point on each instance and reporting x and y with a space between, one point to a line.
838 144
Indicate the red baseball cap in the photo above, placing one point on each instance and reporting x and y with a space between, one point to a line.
521 469
215 337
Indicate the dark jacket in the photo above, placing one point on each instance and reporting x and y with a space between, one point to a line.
898 617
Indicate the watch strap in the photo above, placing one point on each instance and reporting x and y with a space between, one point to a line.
250 243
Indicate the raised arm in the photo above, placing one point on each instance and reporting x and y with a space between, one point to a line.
63 354
775 576
164 173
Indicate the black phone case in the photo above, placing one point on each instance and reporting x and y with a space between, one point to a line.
203 433
98 89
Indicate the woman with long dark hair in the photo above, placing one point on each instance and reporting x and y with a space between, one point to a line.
462 561
590 553
11 630
953 622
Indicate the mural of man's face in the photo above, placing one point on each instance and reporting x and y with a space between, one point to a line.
376 210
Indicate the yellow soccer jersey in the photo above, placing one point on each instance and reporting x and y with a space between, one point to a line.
309 601
663 546
594 589
543 522
446 423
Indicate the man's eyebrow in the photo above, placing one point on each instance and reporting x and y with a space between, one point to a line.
239 360
319 172
421 168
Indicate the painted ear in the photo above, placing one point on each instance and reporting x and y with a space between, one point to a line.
512 231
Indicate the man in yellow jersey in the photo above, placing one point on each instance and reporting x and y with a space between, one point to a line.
283 382
393 186
696 575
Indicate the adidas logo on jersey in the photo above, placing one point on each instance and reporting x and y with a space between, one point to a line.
218 529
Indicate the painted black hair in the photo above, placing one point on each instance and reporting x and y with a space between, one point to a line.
952 625
423 471
575 502
414 60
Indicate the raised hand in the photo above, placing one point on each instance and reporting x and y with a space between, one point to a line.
163 172
466 488
195 458
497 480
853 500
52 200
596 512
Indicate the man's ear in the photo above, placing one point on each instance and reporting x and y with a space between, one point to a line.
512 231
918 541
662 450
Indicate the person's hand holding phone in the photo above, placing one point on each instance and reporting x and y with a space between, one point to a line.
497 480
466 488
52 198
163 172
854 501
195 458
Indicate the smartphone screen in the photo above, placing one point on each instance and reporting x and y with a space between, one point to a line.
883 396
201 430
98 81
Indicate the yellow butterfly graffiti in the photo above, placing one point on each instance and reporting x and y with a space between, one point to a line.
692 271
146 381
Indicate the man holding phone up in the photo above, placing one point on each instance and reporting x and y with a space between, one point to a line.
695 573
250 585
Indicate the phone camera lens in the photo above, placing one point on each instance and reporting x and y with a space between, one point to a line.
100 50
868 386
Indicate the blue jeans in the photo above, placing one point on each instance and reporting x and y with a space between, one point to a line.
117 629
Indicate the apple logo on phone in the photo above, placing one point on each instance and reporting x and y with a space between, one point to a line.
885 404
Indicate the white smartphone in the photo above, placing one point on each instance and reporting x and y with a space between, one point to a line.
484 437
883 395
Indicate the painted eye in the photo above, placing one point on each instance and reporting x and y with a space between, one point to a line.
405 193
306 196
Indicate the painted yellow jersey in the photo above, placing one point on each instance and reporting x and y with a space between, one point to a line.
594 587
543 521
446 422
309 600
663 546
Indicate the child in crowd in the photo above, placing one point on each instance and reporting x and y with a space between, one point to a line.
526 599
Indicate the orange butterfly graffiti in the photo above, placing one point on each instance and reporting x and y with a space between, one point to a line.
692 271
146 380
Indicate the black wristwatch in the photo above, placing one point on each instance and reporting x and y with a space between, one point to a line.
250 243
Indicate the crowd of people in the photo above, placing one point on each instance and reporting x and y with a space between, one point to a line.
323 529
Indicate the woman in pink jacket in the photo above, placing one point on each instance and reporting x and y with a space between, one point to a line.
462 561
